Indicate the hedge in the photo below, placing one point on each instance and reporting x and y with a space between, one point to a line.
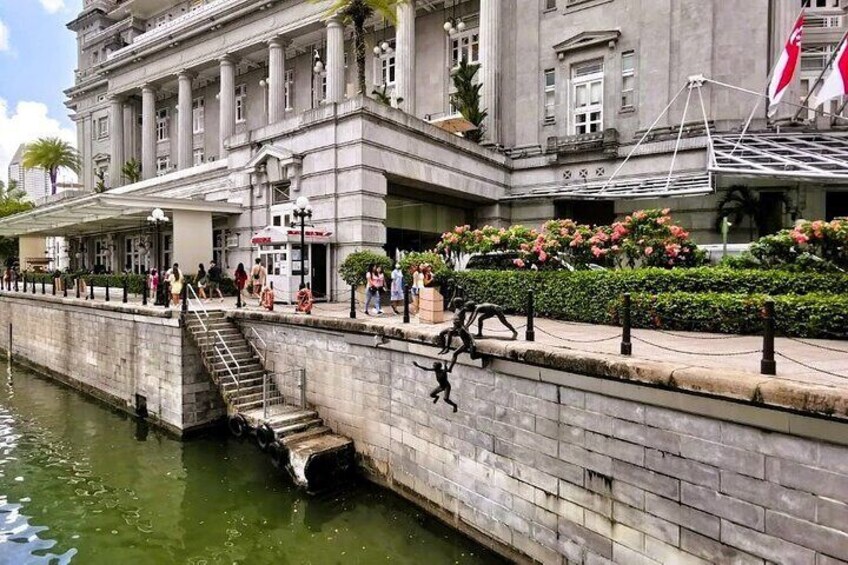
593 296
811 315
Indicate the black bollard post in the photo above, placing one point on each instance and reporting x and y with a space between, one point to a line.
126 290
91 289
77 284
106 287
43 286
626 345
64 287
530 332
34 290
767 364
406 304
353 302
25 283
144 293
184 300
238 297
54 286
166 295
16 284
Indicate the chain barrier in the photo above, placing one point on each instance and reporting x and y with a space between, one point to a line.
706 354
806 366
817 346
569 340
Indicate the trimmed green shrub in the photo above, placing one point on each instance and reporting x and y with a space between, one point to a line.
811 315
135 283
355 266
441 273
591 296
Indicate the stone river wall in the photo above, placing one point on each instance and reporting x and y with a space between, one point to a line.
560 467
114 352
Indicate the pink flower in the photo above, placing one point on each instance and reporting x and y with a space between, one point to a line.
518 263
639 215
649 250
666 211
800 238
578 239
543 256
597 251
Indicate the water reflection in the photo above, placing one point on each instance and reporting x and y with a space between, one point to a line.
81 483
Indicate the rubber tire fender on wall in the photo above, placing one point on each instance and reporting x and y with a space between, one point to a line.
237 425
265 437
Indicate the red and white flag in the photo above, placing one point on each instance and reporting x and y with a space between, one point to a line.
836 83
785 70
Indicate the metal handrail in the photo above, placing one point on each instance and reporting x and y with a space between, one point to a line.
199 302
227 349
230 371
262 355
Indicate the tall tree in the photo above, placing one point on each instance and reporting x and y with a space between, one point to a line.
741 202
466 99
51 154
356 13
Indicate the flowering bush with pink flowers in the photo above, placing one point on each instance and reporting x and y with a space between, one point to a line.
647 238
810 245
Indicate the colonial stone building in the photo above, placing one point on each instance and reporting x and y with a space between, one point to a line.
233 109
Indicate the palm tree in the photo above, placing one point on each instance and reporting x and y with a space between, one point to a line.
741 202
131 171
357 12
51 154
11 193
466 99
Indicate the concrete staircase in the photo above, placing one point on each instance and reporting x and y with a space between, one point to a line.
295 437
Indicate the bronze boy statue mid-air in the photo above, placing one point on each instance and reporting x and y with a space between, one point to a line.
444 383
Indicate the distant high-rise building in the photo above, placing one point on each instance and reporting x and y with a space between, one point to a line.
35 182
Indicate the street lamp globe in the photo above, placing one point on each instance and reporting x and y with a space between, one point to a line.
302 203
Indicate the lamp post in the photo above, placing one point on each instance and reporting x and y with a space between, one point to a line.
302 211
157 218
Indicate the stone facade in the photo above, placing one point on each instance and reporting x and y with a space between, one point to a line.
564 468
115 353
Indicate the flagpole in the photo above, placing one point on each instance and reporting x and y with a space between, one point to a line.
821 77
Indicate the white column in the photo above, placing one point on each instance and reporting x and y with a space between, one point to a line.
148 132
185 139
276 80
335 60
227 102
490 54
405 55
116 141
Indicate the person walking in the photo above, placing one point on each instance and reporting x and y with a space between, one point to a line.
240 277
375 281
153 284
258 276
213 281
397 288
202 281
175 283
417 286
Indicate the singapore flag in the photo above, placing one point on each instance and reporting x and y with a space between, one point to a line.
836 83
786 65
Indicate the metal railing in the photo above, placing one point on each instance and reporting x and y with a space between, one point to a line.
272 395
263 355
233 377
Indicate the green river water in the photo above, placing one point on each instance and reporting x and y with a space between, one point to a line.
83 484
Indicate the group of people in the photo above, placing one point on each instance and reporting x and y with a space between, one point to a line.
207 281
375 285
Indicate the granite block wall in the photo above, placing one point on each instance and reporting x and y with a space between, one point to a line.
562 474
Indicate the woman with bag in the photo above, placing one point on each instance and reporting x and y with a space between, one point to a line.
375 281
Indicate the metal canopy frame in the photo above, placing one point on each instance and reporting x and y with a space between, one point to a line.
101 212
680 184
822 157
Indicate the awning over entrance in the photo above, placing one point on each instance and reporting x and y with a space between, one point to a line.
98 213
680 184
276 235
820 157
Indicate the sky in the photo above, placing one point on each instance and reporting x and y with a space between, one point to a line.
37 62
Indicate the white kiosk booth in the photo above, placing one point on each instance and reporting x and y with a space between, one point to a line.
279 250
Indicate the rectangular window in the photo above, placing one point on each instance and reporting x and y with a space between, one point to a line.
587 97
550 5
628 79
102 127
550 96
163 163
241 103
197 156
282 193
465 45
289 79
198 115
163 124
384 74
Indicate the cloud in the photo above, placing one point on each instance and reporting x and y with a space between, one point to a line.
53 6
27 122
4 37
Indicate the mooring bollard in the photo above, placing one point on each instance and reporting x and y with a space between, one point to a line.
43 286
767 364
64 287
626 345
34 290
353 302
91 289
406 304
106 287
25 283
530 332
144 293
77 285
126 291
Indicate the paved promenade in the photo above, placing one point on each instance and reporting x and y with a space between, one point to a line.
823 362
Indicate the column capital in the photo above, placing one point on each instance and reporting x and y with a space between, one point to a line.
226 59
185 74
278 41
335 21
147 87
116 99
